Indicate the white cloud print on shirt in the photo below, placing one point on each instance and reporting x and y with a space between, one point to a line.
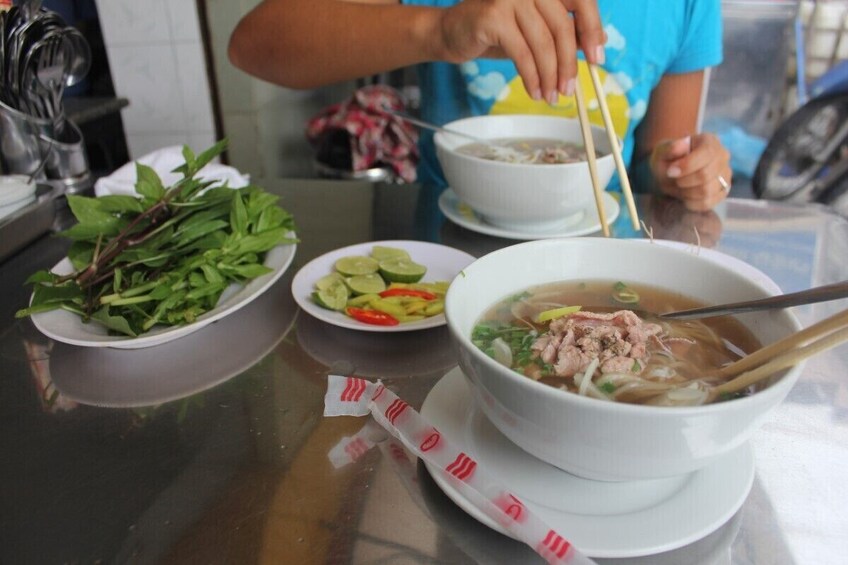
614 38
487 87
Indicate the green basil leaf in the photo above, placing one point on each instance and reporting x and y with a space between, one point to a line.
43 294
116 323
250 271
121 204
198 230
259 242
238 215
212 274
148 184
206 290
40 277
206 157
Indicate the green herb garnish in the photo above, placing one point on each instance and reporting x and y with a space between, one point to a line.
164 257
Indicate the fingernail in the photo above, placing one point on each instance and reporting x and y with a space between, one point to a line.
688 141
536 94
600 55
570 86
553 97
673 172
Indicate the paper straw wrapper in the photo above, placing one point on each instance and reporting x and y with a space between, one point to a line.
352 396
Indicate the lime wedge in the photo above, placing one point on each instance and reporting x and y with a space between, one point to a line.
402 270
327 281
366 284
333 297
357 265
382 252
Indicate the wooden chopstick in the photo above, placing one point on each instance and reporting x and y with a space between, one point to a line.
783 361
784 353
589 142
615 148
802 337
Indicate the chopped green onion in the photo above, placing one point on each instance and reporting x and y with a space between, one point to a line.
624 294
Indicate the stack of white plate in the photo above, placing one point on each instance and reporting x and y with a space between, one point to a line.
16 191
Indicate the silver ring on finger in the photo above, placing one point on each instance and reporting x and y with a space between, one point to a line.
725 186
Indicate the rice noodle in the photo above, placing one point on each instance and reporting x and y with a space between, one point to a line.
586 379
503 354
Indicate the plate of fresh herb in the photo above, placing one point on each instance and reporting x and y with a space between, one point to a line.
147 270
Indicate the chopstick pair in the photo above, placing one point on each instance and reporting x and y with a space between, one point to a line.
615 148
784 353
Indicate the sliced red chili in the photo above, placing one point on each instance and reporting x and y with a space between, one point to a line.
374 317
408 292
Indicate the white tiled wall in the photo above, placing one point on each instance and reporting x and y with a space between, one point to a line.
156 61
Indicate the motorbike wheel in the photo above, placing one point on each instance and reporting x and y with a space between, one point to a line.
791 162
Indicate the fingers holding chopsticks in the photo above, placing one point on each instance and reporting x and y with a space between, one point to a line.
541 37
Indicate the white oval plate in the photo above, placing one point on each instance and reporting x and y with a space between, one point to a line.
443 264
66 327
601 519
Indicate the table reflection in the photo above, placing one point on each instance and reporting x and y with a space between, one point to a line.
184 367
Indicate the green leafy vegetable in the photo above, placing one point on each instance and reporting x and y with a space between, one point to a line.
518 338
166 256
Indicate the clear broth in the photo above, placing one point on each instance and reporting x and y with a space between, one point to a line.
717 341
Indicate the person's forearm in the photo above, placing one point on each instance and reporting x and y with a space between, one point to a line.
310 43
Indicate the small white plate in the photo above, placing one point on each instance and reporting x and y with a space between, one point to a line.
463 215
66 327
443 264
601 519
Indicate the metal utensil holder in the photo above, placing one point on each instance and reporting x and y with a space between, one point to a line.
25 141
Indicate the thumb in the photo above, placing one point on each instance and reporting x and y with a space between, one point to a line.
673 149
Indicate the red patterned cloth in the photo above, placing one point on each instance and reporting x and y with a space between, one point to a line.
376 138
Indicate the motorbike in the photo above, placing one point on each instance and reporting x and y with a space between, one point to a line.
806 159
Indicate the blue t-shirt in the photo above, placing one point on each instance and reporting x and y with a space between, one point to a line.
645 40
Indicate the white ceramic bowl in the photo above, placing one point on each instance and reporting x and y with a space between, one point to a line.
593 438
527 197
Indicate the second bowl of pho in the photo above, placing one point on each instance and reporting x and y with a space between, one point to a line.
532 173
565 355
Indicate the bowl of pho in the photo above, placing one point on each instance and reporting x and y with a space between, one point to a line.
560 342
530 174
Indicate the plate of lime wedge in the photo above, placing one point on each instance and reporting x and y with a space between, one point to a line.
380 286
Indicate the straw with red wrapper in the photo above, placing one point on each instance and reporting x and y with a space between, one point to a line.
352 396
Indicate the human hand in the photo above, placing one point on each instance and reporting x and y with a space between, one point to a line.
540 37
692 169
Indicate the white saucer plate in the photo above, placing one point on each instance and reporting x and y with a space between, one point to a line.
601 519
463 215
443 264
69 328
